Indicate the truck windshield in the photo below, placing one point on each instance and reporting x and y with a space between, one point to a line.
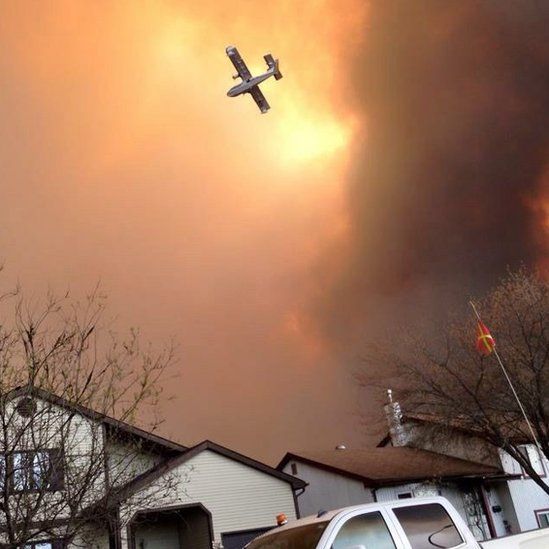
302 537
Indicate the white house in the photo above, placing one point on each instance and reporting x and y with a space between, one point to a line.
125 488
342 477
514 502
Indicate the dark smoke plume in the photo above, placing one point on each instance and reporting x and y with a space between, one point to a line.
447 179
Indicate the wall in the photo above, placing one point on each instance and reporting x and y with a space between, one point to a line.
327 490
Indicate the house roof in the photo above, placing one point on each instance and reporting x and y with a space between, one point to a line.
462 425
391 465
160 443
156 472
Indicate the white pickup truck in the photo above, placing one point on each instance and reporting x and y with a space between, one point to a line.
425 523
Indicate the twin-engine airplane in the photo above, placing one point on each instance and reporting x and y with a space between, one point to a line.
250 84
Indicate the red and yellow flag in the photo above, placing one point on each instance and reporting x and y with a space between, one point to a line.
485 341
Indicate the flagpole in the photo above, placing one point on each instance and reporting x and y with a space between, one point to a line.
512 388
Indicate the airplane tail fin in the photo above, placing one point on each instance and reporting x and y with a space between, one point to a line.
273 64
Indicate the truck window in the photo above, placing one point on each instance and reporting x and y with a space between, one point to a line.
428 526
368 530
302 537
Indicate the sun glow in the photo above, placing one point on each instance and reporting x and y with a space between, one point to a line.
310 136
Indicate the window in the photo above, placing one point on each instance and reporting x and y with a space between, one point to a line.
404 495
40 470
542 517
428 526
368 530
531 455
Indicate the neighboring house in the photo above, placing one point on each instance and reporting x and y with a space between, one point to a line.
231 498
516 503
131 489
343 477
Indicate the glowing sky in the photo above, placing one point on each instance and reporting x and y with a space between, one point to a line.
123 161
403 165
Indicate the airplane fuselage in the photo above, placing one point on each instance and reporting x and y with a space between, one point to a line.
246 85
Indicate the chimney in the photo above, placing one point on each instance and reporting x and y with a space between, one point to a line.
394 419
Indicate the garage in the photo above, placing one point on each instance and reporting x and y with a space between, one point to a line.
186 527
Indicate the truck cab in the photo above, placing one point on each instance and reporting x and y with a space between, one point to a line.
426 523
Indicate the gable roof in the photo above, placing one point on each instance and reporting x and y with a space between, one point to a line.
392 465
157 442
156 472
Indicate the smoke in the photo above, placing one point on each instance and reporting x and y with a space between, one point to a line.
446 182
405 148
124 162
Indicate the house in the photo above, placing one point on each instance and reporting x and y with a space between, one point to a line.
76 478
342 477
514 501
231 498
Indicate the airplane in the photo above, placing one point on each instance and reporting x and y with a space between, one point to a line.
250 83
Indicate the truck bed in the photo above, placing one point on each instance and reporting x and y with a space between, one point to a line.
533 539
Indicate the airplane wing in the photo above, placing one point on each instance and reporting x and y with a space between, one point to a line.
238 63
259 98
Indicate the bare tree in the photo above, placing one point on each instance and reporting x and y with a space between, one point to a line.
69 391
443 379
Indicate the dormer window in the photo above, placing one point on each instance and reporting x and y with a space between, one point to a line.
33 471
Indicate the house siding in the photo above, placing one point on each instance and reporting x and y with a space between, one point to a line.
527 498
126 461
327 490
238 496
526 495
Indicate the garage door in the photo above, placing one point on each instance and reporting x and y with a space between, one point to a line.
237 540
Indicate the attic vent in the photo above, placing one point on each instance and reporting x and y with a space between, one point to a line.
26 407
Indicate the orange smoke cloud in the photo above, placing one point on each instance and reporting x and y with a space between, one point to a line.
124 161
